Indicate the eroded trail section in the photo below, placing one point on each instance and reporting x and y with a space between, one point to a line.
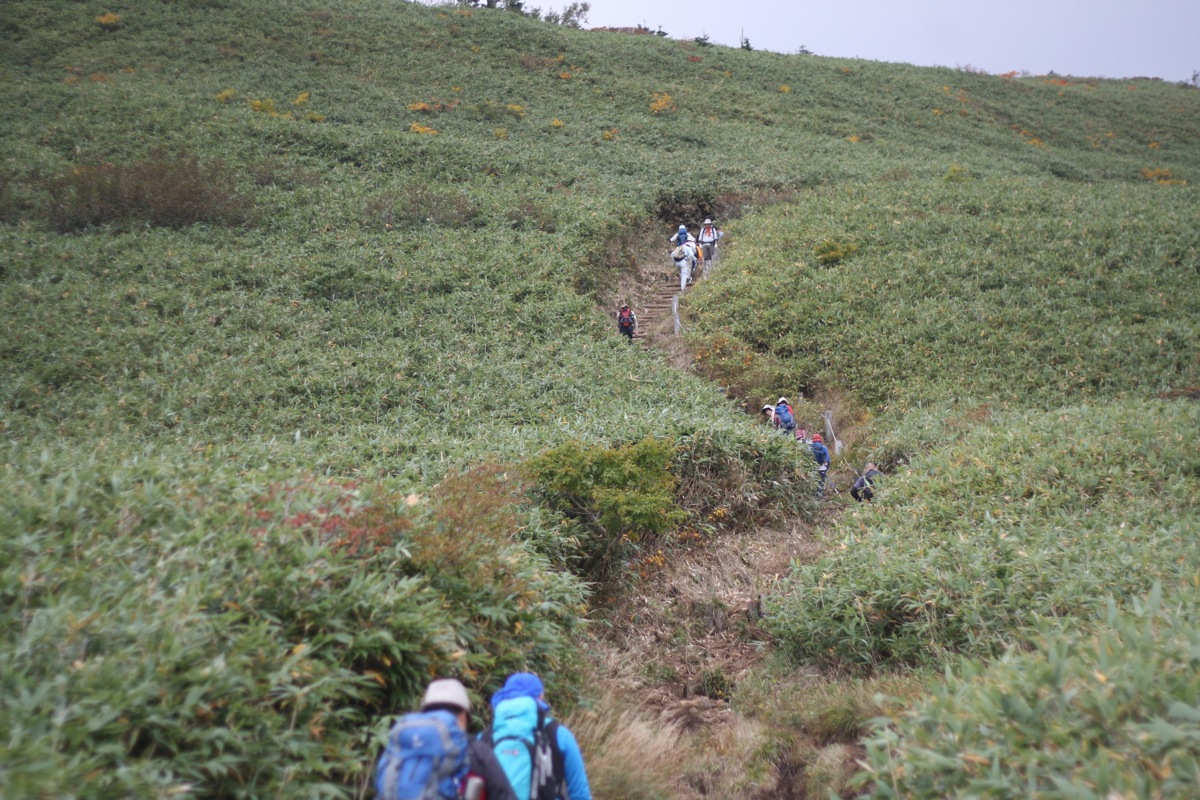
694 631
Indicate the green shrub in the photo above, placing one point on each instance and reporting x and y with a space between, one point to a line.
831 251
618 500
421 205
716 684
1096 715
728 479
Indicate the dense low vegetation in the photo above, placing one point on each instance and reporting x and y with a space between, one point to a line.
308 390
1022 291
1034 516
1015 345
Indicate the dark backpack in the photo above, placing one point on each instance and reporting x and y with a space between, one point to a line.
526 745
425 759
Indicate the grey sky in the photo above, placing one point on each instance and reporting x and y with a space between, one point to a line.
1098 38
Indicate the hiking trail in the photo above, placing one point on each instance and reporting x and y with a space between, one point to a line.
678 645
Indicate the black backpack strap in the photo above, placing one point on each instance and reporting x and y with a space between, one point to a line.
560 762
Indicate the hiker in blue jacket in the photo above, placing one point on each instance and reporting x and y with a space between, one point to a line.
574 778
680 236
821 454
783 417
449 695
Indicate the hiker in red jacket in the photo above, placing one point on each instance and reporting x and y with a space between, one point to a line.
626 322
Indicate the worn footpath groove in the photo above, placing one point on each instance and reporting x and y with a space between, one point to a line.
683 641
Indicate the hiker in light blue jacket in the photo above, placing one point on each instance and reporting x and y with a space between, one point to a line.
821 456
574 778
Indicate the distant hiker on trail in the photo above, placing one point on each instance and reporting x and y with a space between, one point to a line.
861 490
541 757
626 322
709 234
685 258
821 454
684 255
429 754
769 410
783 417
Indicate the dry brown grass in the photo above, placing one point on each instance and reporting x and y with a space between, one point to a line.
630 754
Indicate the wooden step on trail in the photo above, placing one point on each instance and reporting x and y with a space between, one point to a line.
655 314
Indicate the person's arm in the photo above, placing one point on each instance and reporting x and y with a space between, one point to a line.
577 780
484 764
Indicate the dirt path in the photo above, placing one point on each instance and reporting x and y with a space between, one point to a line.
652 301
694 630
677 646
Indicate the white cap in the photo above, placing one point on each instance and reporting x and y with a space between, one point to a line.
782 400
708 222
446 692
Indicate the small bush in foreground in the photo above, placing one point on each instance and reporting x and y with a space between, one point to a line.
168 192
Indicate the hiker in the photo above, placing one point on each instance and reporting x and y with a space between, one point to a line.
709 234
429 754
540 755
684 255
769 410
821 454
626 322
685 258
784 418
861 490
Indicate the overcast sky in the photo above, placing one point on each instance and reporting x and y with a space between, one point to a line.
1094 38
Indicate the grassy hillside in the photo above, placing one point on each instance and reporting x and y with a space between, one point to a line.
275 274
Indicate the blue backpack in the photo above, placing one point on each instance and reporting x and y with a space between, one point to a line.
425 759
786 420
526 745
